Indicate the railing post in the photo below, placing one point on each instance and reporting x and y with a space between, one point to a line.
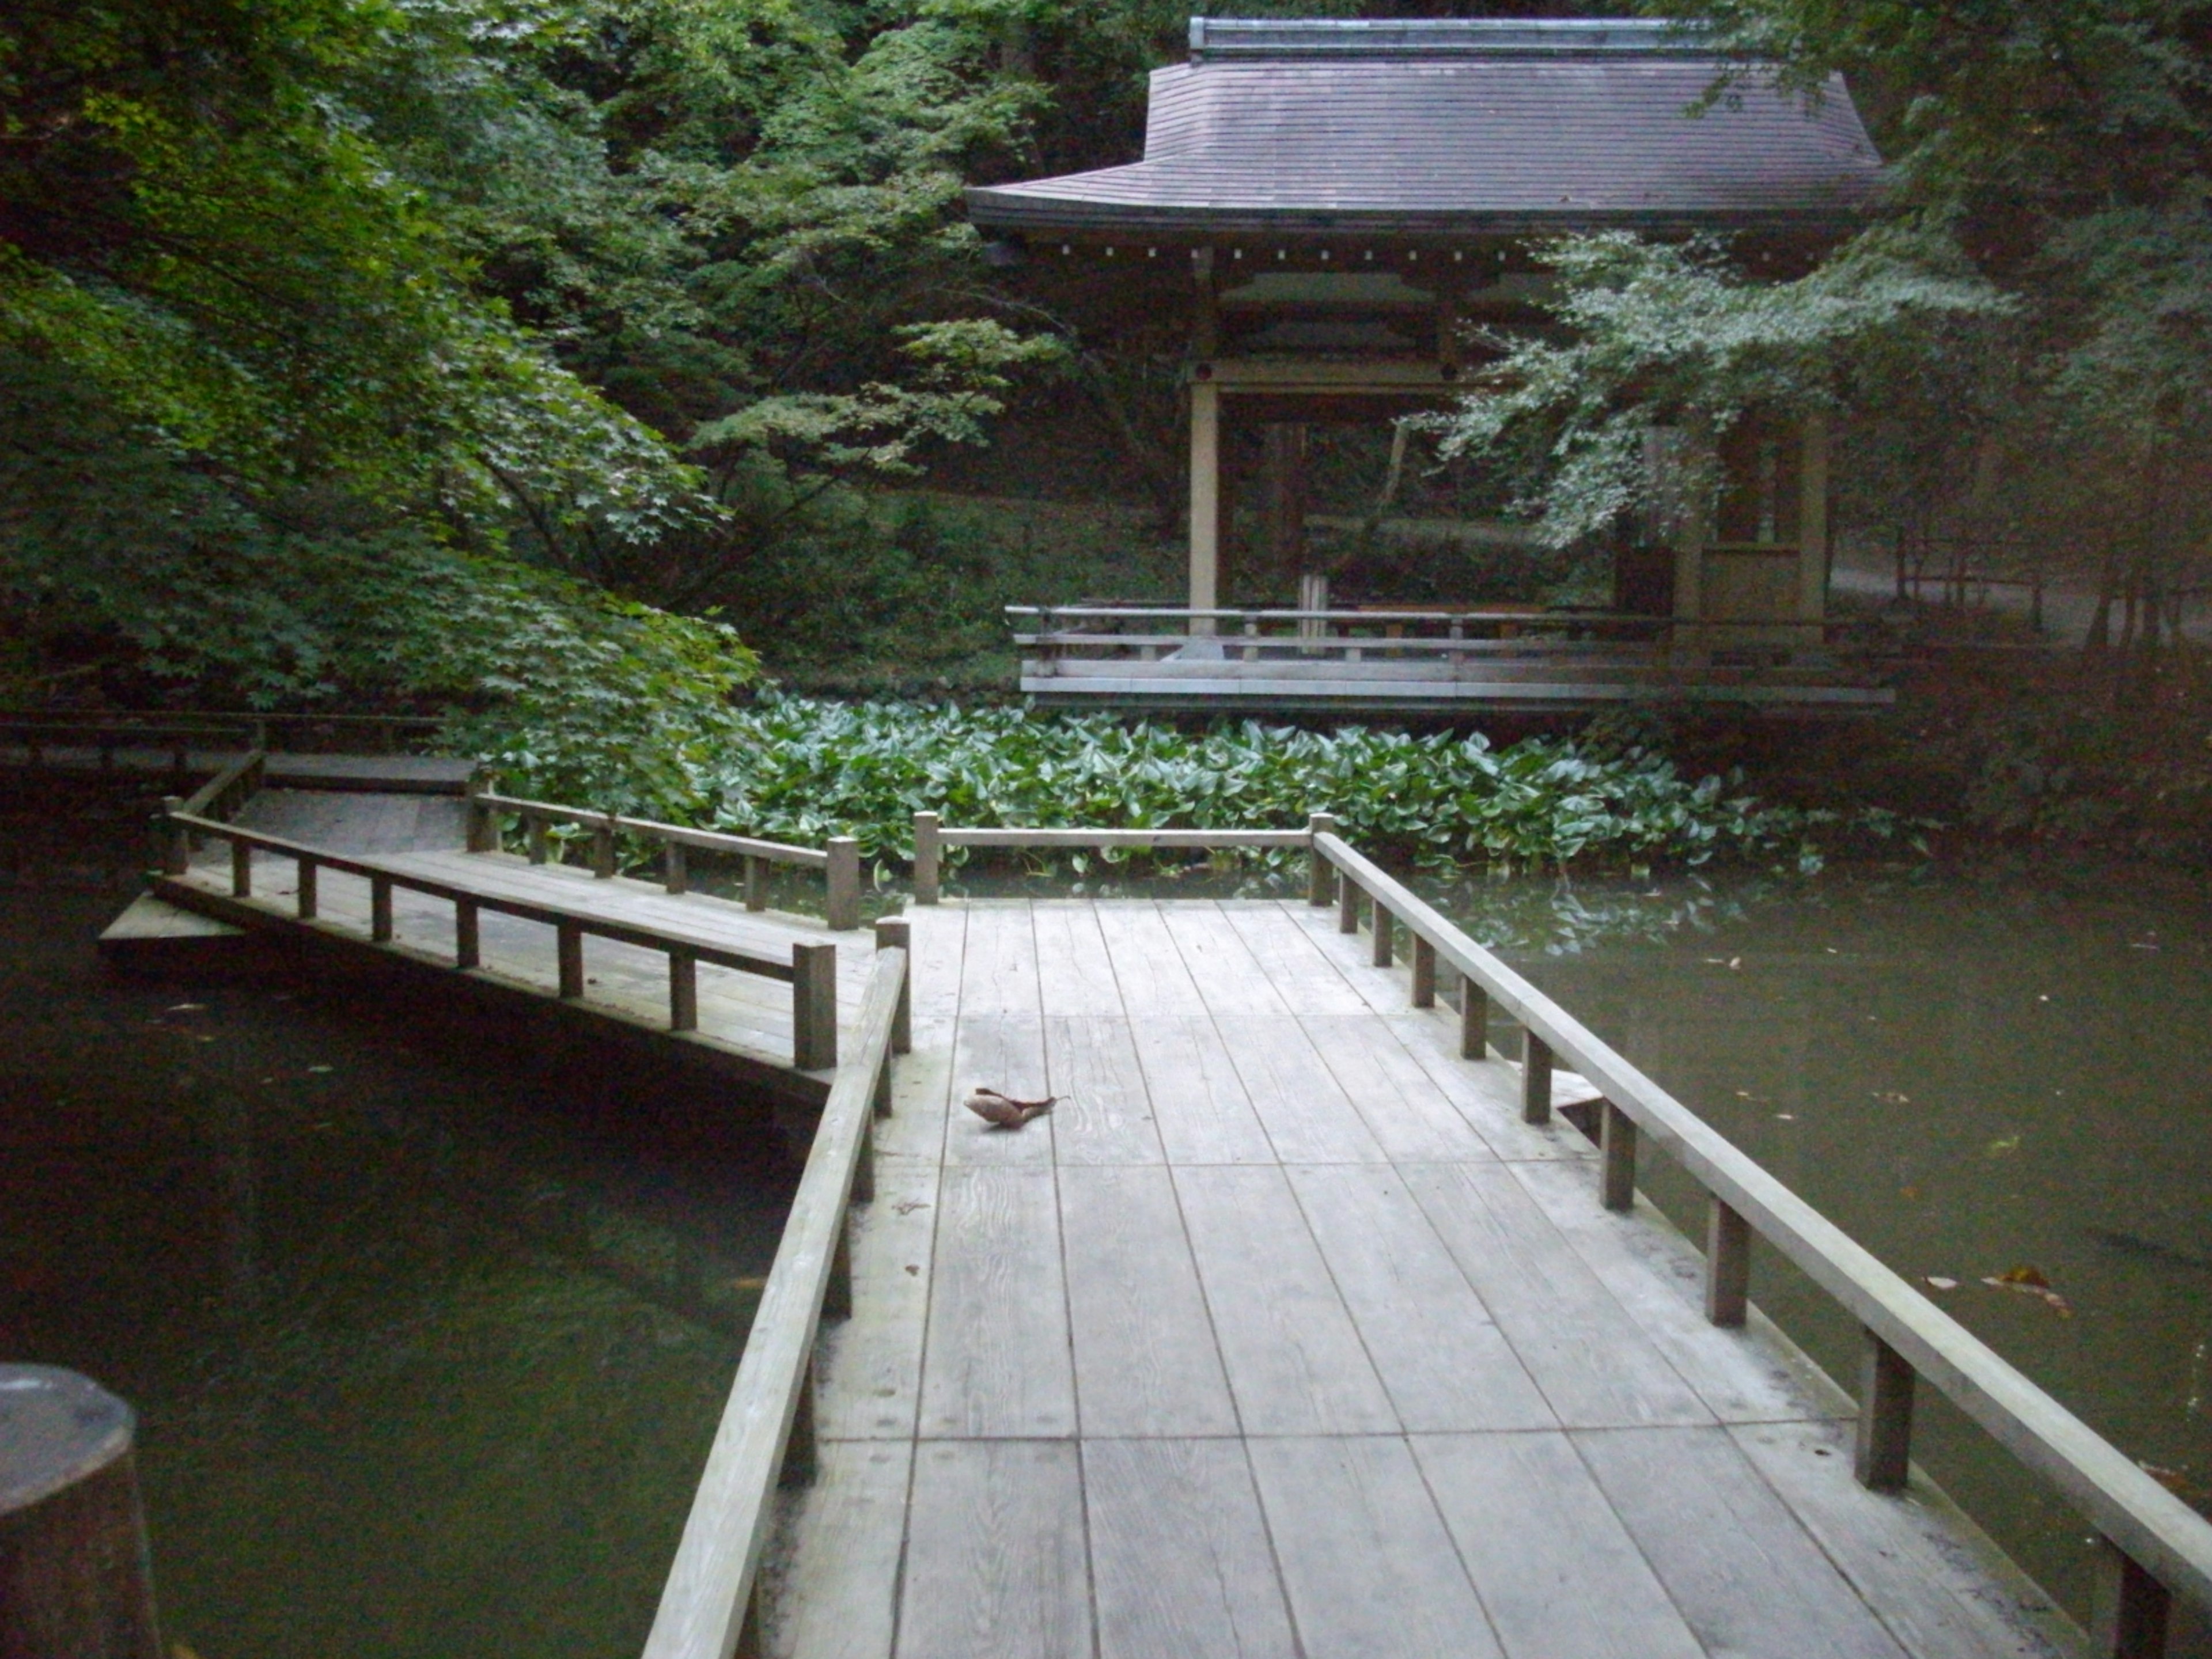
926 857
176 840
756 883
539 837
682 991
603 849
379 909
1884 1446
241 869
468 934
813 1007
1536 1078
1474 1020
798 1455
308 901
864 1164
1727 1264
1424 973
1386 926
483 825
676 872
2128 1608
1320 874
844 908
1617 1156
895 934
837 1294
1347 904
569 947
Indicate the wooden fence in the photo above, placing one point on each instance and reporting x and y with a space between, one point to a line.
2152 1545
766 1436
840 861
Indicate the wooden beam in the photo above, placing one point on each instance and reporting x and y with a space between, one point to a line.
1205 315
1205 502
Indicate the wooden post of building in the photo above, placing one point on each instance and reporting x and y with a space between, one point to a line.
1616 1140
1813 526
895 934
2128 1610
1320 874
1727 1264
1205 502
1536 1078
813 1007
844 907
1474 1020
1284 452
1883 1450
75 1575
926 858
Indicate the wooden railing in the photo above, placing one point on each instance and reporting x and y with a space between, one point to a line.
1146 633
766 1437
44 738
220 797
2153 1545
811 970
174 730
840 861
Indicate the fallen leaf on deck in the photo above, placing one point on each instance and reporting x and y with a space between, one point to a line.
1890 1096
911 1268
2173 1479
187 1007
2031 1281
322 1068
2005 1144
1939 1282
1736 961
909 1206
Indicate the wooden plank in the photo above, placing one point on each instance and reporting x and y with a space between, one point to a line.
1004 1053
996 1358
1487 1093
1231 982
1180 1553
940 934
999 972
1074 974
1379 990
1105 1116
1200 1106
1942 1587
1308 1117
1146 964
1746 1576
1295 1361
1594 1364
921 1088
1412 1119
832 1584
1556 1571
1145 1363
1753 1374
869 1365
1442 1357
995 1562
1366 1561
1303 975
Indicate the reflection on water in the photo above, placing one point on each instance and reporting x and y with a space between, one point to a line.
1971 1077
428 1345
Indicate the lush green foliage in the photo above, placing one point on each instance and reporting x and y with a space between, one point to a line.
800 770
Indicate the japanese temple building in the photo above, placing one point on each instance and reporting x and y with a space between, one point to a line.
1334 205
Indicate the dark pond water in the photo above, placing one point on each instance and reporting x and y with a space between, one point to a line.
427 1344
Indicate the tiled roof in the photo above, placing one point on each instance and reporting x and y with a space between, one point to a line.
1438 129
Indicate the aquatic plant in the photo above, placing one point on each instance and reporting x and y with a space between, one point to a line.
800 770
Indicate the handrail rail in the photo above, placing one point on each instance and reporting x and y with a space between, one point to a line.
840 861
766 1434
2155 1544
931 837
222 791
2153 1531
812 971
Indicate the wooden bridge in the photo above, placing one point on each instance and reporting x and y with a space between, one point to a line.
1305 1324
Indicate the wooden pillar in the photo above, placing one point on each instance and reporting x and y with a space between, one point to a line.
1320 874
75 1575
2128 1610
1813 522
844 872
1727 1264
813 1007
682 991
1883 1455
1617 1149
926 857
1205 502
895 933
1535 1078
1285 470
1474 1020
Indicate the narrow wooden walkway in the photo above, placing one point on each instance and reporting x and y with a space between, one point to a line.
422 836
1283 1335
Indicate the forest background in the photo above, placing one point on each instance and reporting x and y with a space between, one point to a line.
544 362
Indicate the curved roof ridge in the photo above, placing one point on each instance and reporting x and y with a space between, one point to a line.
1250 39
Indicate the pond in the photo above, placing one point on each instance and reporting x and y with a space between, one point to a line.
427 1344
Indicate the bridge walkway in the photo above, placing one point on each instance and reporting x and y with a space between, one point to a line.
1283 1334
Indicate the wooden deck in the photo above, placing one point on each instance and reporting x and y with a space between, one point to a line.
1283 1334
